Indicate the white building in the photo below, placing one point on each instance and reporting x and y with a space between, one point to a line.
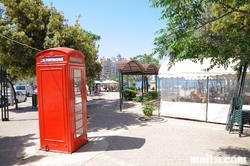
109 66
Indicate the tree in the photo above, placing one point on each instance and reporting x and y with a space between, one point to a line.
20 23
146 59
114 78
84 41
27 27
199 29
92 73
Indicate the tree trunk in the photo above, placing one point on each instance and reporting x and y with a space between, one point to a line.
90 90
12 87
239 90
242 71
146 84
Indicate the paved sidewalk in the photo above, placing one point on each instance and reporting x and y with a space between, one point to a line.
120 139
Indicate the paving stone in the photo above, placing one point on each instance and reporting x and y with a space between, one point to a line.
117 138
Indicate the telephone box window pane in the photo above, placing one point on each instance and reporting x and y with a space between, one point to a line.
78 116
79 124
78 99
78 107
77 90
77 73
79 132
80 90
77 82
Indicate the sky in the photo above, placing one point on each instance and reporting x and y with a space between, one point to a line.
126 27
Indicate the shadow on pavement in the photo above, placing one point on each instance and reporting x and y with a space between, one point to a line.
29 160
23 109
124 143
15 148
104 114
113 143
235 152
127 105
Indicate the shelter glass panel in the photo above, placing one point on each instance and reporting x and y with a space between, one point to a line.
217 90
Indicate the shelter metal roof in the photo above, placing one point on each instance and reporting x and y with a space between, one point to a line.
150 69
128 66
135 67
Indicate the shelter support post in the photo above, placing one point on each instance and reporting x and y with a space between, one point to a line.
158 95
207 99
120 90
156 83
142 87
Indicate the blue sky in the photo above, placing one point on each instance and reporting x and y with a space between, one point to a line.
126 27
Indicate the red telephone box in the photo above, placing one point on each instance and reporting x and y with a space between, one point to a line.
61 95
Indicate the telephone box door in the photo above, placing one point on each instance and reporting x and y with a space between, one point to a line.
53 103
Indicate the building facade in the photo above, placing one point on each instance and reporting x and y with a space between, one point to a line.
109 66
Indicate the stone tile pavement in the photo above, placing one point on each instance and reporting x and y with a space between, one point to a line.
119 139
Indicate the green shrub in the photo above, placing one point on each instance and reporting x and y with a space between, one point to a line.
130 87
129 93
148 108
153 94
150 95
146 97
137 99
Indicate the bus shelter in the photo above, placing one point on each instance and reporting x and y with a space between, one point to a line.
132 67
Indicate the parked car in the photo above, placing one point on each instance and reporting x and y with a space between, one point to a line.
20 97
35 91
25 89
